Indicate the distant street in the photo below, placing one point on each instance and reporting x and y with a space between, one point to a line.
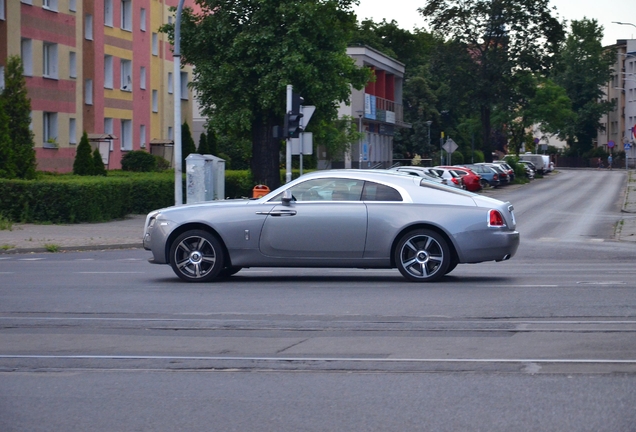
546 341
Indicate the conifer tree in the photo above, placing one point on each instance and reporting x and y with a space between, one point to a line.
17 107
187 143
83 164
7 167
212 142
203 144
98 164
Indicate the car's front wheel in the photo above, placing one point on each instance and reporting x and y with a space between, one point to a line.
422 256
196 256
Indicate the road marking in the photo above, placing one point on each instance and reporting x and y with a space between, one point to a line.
109 272
314 359
30 259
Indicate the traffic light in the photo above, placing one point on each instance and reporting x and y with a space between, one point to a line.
292 118
292 125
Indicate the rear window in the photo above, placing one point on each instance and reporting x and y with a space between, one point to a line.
378 192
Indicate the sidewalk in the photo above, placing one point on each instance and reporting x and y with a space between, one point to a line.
626 229
117 234
127 233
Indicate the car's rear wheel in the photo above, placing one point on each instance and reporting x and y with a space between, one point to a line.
484 184
422 256
196 256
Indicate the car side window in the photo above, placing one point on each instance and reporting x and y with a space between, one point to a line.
326 189
378 192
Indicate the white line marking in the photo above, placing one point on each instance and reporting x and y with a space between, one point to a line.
307 359
109 272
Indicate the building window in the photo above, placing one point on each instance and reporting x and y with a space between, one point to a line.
142 78
126 135
142 136
142 20
49 64
72 131
108 71
155 44
72 5
126 15
30 2
2 16
170 133
184 85
26 51
88 27
155 101
50 5
108 129
126 75
1 77
49 130
72 64
88 92
170 83
108 13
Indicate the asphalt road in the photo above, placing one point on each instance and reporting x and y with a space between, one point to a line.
104 341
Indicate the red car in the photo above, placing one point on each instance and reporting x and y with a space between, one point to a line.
472 181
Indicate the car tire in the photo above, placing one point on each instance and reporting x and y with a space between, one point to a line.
196 256
422 255
484 184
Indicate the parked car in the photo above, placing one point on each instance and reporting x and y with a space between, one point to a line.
472 180
504 179
529 167
507 168
420 172
448 178
536 159
340 218
489 177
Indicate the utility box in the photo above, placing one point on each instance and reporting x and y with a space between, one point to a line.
205 178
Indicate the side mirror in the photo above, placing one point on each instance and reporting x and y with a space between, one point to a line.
287 197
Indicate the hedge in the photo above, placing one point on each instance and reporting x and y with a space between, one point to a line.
75 199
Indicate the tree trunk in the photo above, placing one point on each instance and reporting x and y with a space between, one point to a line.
265 154
485 133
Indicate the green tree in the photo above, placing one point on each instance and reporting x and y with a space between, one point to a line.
83 164
7 166
245 52
203 147
98 164
583 68
503 37
187 144
17 106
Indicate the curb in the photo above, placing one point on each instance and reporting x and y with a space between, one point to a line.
72 248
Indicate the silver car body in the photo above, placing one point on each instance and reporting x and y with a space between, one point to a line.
339 218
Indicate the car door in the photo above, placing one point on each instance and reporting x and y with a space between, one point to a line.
326 219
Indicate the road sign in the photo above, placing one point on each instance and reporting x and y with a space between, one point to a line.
308 144
450 145
610 144
307 112
627 146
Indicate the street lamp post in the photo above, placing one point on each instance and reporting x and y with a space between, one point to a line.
428 123
176 58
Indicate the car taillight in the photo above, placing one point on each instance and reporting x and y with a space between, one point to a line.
495 219
495 177
454 179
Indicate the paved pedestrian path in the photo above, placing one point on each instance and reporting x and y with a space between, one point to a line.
127 233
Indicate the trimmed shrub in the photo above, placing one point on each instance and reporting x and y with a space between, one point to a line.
83 164
138 161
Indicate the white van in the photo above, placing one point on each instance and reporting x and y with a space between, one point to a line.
536 159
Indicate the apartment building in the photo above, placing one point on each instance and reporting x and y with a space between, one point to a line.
377 109
620 124
99 66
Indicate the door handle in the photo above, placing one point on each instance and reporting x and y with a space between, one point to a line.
283 213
